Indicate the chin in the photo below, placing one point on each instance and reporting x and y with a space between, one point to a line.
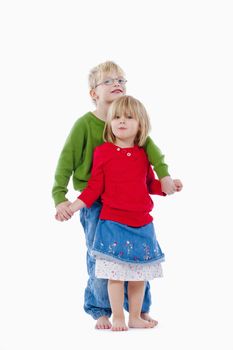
116 95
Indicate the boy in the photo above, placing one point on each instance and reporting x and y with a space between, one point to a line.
107 82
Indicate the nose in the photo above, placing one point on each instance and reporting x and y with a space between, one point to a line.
116 82
122 120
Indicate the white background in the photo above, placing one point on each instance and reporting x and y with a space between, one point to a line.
178 57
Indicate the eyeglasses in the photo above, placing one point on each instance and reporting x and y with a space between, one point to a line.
109 82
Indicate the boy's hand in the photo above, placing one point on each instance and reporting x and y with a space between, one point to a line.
168 185
178 185
63 211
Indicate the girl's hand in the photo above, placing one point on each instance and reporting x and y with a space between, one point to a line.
178 184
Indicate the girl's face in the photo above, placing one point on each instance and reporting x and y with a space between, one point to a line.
109 88
125 127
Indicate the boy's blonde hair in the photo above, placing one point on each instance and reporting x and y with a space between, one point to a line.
97 72
128 105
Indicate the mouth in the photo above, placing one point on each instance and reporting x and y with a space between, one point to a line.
122 128
116 91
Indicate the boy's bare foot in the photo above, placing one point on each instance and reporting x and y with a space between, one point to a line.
138 322
103 323
146 316
118 324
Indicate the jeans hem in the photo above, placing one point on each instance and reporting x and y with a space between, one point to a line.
97 315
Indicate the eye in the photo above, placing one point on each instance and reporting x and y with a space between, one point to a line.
108 81
129 117
116 117
121 81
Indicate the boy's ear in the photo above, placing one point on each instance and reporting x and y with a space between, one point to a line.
93 94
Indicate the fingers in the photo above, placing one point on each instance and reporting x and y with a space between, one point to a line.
66 213
63 214
178 185
168 189
63 211
179 188
58 217
69 211
170 192
172 189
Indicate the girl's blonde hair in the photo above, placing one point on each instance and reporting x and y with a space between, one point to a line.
97 72
128 105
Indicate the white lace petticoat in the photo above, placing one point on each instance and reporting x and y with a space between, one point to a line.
127 272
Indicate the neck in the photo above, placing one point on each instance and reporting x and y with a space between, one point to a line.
101 111
124 143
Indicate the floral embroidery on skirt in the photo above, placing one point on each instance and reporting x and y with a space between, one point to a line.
123 243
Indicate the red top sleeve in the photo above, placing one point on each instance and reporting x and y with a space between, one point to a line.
153 185
95 185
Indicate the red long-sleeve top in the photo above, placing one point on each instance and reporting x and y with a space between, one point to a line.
123 178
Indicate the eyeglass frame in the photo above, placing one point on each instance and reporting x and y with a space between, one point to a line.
112 82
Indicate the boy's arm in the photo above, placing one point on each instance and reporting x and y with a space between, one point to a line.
156 158
69 160
95 185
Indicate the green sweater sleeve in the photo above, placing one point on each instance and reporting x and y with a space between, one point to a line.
156 158
69 160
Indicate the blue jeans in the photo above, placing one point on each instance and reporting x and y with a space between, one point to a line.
96 301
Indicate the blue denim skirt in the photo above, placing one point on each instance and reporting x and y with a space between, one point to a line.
115 241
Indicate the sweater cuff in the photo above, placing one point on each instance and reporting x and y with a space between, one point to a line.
85 199
162 171
156 188
59 198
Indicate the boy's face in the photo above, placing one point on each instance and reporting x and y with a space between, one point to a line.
109 88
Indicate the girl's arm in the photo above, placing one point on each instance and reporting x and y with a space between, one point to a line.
153 185
77 205
95 185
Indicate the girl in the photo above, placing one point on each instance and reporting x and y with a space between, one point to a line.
125 245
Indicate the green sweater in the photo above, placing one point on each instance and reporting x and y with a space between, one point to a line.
76 157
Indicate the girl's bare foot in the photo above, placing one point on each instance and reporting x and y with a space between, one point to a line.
118 324
103 323
146 316
138 322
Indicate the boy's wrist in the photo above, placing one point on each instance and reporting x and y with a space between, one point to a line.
60 198
166 178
